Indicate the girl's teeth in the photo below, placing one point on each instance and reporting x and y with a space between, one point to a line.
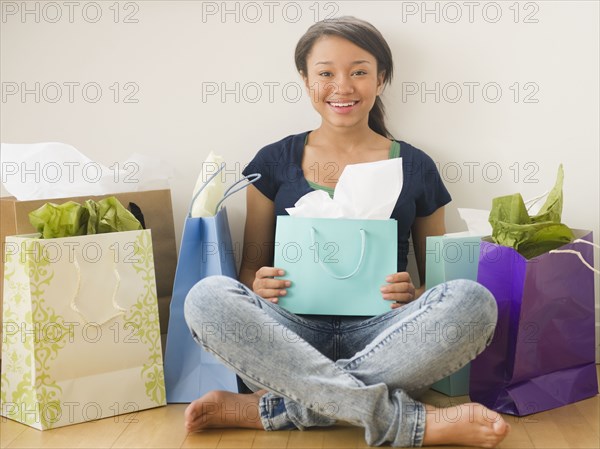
341 105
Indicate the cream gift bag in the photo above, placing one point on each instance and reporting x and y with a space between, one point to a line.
81 332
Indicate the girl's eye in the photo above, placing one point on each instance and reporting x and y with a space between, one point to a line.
360 72
325 74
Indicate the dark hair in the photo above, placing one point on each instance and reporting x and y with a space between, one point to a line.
363 35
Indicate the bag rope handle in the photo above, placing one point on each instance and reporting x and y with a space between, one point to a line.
363 238
116 306
531 202
252 178
577 253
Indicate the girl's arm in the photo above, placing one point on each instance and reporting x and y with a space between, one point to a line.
259 235
423 227
256 271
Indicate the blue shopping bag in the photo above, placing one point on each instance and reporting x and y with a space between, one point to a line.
336 265
449 257
206 250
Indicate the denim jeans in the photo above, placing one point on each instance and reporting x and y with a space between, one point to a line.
365 371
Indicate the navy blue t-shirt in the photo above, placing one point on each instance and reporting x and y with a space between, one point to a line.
284 183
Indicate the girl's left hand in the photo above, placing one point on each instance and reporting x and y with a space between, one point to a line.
399 288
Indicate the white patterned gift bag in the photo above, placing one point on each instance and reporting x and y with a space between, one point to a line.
81 336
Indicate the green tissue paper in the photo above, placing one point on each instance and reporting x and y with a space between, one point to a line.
530 235
72 219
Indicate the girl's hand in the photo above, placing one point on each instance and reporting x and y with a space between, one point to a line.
270 289
399 288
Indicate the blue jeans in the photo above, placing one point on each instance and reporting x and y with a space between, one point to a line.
365 371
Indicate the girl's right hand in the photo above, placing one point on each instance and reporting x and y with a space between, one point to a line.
268 288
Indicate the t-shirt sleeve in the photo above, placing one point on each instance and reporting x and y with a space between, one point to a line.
433 194
265 163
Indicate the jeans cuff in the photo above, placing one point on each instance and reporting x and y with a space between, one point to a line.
419 429
273 413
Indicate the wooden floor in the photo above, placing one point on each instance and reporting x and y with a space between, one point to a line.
572 426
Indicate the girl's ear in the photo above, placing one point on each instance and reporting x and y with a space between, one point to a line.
380 82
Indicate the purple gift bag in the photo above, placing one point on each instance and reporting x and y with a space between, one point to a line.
542 354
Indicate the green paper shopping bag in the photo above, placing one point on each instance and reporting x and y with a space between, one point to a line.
81 336
336 265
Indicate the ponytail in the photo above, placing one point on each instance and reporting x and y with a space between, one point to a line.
377 119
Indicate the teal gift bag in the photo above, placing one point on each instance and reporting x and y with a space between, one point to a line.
336 265
448 257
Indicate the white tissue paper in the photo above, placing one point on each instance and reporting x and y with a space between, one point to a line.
212 192
477 222
366 191
57 170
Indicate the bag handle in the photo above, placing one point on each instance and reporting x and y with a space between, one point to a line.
361 259
120 310
577 253
252 178
531 202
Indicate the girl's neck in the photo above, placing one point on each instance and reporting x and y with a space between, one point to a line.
345 139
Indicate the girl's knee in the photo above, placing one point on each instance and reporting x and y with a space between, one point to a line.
206 294
475 300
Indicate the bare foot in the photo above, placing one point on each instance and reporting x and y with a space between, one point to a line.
224 409
469 424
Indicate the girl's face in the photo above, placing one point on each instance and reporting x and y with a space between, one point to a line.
342 81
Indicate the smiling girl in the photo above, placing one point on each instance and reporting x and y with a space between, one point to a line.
308 370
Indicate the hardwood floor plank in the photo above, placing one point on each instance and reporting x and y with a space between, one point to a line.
542 430
574 427
274 440
344 437
306 439
207 439
160 427
518 436
590 410
96 434
9 430
237 438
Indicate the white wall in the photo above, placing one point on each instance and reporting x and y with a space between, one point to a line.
543 56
